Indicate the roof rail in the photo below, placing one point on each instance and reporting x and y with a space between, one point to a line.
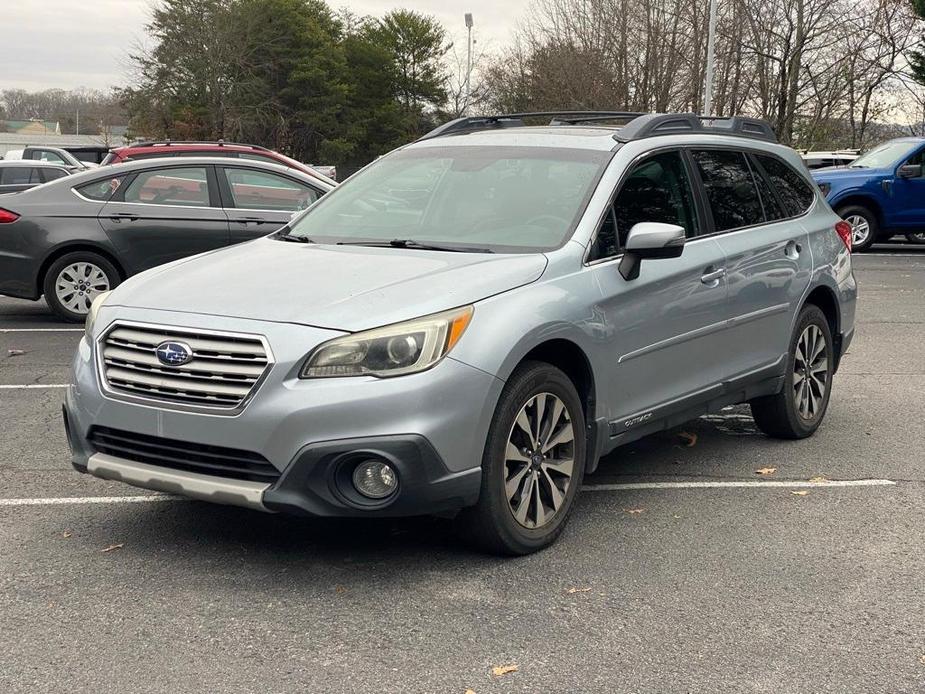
653 124
516 120
220 143
637 127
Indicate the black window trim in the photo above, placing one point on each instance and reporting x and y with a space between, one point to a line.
699 211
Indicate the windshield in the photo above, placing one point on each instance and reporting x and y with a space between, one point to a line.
507 199
883 155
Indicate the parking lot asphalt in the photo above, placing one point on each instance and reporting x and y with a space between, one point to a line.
658 588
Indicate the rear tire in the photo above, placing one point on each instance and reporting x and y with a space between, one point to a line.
532 466
797 411
74 280
864 226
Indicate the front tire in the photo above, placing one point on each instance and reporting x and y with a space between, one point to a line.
532 466
797 411
74 280
864 226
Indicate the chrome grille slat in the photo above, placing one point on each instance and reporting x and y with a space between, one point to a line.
221 375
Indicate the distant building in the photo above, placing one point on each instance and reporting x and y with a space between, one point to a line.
31 127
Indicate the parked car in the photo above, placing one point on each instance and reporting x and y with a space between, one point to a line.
16 176
54 155
468 324
72 239
882 193
168 148
819 160
89 154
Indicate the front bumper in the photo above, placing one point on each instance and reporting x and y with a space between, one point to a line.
431 426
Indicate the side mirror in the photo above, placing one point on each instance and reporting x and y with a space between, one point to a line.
650 240
909 171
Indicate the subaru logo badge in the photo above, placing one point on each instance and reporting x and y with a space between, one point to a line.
173 353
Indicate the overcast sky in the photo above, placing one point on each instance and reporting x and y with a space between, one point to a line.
51 43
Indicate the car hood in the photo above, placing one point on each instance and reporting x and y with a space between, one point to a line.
336 287
840 173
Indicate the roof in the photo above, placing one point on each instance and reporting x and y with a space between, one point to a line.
113 170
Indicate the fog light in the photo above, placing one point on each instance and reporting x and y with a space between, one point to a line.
375 479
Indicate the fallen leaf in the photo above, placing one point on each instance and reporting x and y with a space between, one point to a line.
688 438
340 589
113 547
922 659
577 590
502 670
817 480
634 511
766 471
470 691
802 492
66 534
15 352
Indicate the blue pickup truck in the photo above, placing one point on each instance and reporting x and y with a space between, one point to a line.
881 193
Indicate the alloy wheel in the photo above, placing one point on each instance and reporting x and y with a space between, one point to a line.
78 284
810 372
860 229
539 461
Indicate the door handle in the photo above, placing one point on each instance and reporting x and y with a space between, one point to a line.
713 276
250 220
118 216
793 250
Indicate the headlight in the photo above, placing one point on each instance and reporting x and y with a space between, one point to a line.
94 309
394 350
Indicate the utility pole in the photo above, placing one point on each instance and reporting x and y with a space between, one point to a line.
468 63
711 40
78 120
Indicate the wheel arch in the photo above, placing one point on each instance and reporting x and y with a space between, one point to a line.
81 246
825 299
571 359
861 200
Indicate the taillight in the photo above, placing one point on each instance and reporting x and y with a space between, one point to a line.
843 229
6 216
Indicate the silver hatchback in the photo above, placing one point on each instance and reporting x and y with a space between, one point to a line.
467 325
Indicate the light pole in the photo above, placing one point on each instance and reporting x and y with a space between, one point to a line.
468 62
708 85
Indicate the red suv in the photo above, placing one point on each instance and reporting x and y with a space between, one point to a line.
167 148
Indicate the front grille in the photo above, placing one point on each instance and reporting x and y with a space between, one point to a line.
183 455
223 371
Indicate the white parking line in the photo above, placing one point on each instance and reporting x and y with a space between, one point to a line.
770 484
894 255
53 501
41 330
34 386
736 483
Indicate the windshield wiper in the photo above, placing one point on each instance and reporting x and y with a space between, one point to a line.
417 245
294 239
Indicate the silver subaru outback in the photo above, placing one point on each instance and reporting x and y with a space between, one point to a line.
467 325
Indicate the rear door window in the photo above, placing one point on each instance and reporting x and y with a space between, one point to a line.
19 175
730 188
50 174
185 187
794 191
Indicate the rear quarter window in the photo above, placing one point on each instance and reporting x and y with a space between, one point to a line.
794 191
100 190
